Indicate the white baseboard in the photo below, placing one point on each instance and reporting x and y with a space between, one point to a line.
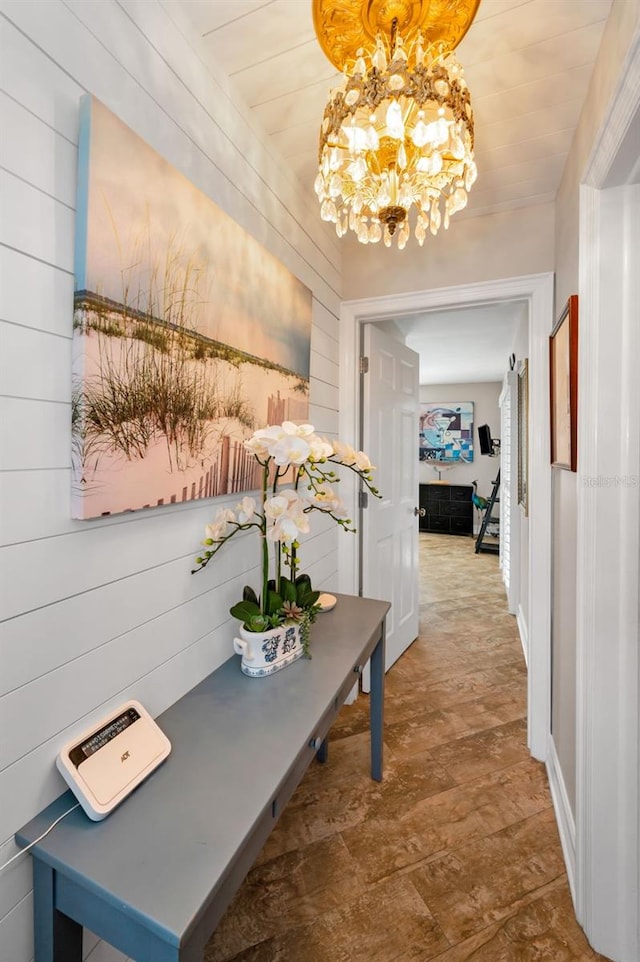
564 815
524 633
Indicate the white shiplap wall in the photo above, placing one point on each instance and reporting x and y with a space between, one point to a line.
95 612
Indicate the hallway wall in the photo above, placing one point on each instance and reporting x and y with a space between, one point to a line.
620 28
484 395
97 612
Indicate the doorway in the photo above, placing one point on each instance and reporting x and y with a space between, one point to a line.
537 290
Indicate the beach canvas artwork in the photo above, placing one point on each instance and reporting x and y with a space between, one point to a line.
446 432
188 334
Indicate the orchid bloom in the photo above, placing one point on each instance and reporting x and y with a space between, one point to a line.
285 529
286 443
362 462
298 430
324 497
246 510
219 528
345 453
320 449
290 449
287 514
261 441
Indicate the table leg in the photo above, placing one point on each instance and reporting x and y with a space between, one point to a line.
376 707
57 938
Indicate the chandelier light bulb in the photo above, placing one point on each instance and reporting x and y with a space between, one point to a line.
396 143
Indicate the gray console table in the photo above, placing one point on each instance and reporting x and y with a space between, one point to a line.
155 877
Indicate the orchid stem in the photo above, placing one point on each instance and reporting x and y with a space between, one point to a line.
265 546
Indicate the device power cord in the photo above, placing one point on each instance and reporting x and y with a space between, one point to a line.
40 837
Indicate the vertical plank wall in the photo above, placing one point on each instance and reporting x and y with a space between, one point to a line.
95 612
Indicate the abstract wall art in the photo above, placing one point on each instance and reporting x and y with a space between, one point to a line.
446 432
187 333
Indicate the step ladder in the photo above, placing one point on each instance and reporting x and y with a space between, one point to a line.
488 519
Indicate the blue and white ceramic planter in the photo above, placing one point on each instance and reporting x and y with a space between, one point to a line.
265 652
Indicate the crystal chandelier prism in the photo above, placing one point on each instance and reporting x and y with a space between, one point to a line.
397 137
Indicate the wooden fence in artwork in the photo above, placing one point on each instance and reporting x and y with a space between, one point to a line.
234 469
286 409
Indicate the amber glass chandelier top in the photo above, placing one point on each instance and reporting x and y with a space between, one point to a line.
344 26
398 134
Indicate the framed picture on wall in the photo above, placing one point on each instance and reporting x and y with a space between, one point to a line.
563 380
446 432
187 333
523 436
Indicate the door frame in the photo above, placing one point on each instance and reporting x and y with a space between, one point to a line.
538 291
509 460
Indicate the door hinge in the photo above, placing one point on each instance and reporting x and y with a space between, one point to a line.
364 365
363 499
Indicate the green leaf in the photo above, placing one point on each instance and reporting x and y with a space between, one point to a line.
288 590
245 610
248 594
274 602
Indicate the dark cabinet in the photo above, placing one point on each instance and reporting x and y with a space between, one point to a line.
447 508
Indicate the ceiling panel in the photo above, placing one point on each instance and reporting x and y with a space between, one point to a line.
535 23
292 110
519 171
548 91
293 71
210 15
534 62
470 344
517 130
271 29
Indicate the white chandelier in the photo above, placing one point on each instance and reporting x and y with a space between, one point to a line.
397 134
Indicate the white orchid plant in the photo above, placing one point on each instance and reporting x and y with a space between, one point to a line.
281 516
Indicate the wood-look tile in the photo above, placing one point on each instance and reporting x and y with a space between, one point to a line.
284 893
486 751
454 856
381 846
477 883
543 930
319 809
406 782
388 923
404 702
424 731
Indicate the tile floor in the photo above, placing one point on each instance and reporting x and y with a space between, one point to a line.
455 856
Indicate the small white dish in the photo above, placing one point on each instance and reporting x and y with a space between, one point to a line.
327 602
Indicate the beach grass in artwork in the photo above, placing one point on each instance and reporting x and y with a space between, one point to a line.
188 334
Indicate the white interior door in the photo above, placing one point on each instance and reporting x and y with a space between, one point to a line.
389 525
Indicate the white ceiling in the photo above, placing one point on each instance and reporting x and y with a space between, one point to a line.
527 64
464 345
